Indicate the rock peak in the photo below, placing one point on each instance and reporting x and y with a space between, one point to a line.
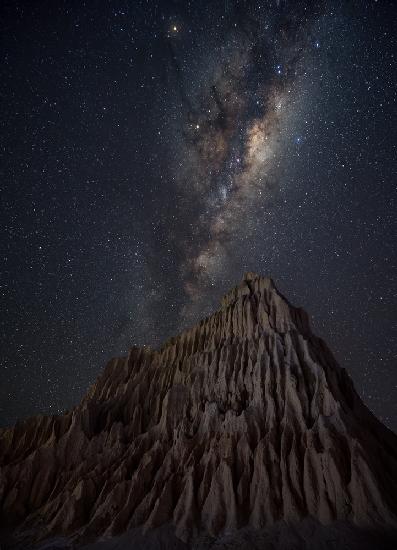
251 283
260 306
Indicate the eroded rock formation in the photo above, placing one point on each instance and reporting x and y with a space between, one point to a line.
244 419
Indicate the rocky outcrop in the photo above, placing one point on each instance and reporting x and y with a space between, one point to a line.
243 420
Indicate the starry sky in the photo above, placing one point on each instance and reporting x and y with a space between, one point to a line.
153 151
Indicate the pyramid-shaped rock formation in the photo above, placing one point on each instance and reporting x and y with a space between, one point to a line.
243 420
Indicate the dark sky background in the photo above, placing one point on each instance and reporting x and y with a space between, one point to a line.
154 151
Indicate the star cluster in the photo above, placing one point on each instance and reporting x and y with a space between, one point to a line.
154 151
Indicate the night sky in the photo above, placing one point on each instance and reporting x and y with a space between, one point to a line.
154 151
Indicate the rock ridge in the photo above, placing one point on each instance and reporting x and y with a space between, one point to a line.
242 420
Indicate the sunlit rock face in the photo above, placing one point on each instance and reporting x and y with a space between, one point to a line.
242 421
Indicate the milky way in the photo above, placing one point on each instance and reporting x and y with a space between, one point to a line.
232 134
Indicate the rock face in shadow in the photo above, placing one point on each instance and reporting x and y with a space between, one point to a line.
242 421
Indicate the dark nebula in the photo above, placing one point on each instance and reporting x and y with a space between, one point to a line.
154 151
